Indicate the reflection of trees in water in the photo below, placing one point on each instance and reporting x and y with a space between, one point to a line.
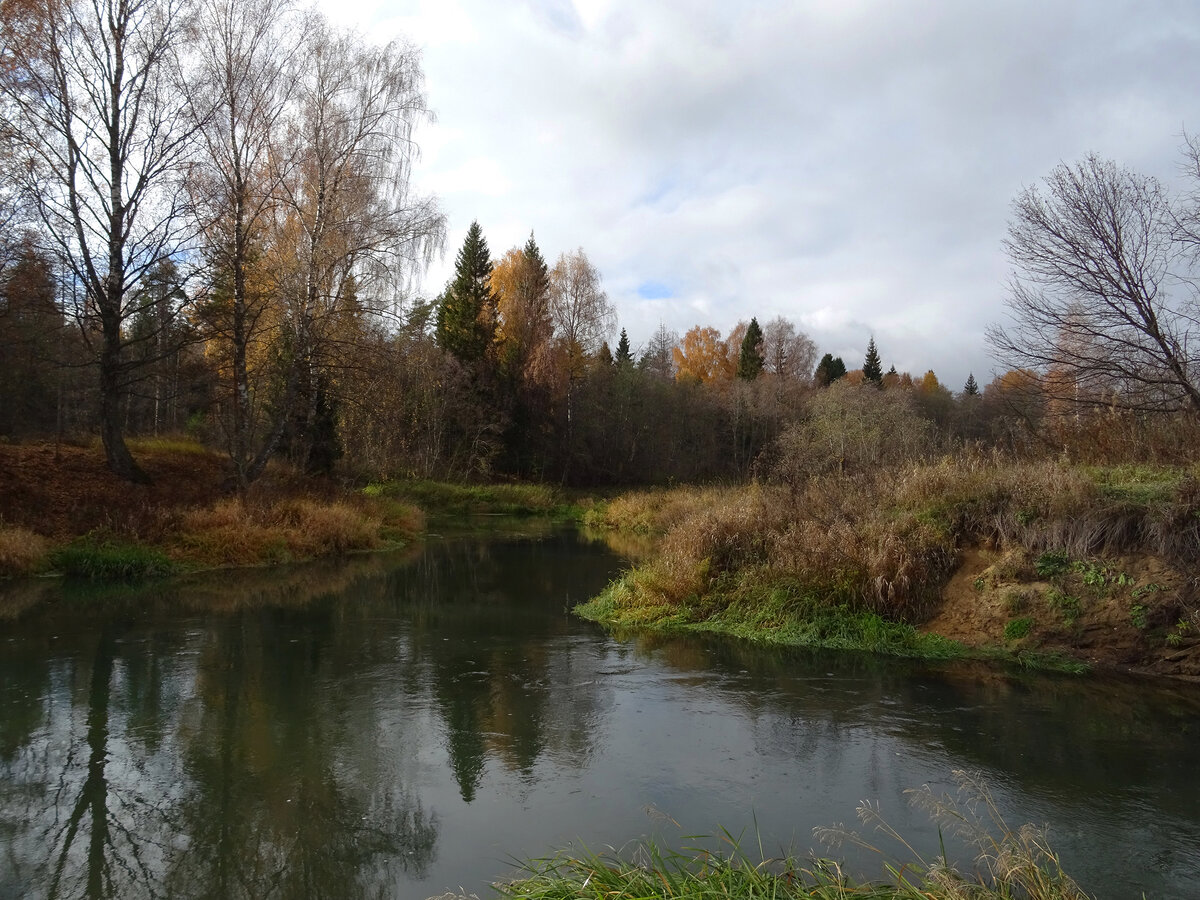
78 781
235 734
274 808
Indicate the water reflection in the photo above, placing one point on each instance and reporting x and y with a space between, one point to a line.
400 725
262 733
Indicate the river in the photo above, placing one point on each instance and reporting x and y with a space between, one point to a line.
404 724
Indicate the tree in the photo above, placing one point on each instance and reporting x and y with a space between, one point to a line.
699 356
105 140
750 359
829 370
466 318
971 388
579 308
657 358
787 353
1102 291
521 282
249 59
872 368
624 357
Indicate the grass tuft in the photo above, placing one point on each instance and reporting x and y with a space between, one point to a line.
110 560
22 552
1008 863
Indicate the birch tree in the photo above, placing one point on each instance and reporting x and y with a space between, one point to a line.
93 87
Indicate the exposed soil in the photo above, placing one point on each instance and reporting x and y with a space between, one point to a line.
1129 613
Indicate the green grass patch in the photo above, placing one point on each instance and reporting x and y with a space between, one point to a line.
1015 629
1009 863
444 499
110 561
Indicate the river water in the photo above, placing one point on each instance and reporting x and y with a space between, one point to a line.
400 725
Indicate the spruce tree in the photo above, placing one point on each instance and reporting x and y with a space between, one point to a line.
971 389
872 368
829 370
466 319
750 359
624 356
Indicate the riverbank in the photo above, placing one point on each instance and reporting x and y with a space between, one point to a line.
1008 863
63 512
1042 564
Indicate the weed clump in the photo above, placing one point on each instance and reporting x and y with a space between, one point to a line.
22 552
110 560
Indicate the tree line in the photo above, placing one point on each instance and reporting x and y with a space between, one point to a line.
207 224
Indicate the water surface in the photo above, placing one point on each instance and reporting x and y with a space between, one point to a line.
401 725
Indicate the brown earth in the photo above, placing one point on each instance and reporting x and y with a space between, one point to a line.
1127 613
66 491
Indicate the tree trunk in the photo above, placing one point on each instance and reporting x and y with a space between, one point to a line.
116 453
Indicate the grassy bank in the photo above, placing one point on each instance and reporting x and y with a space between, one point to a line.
1071 561
1008 863
63 512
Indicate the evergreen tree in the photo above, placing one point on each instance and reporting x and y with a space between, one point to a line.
829 370
605 357
466 319
750 359
624 356
872 368
971 389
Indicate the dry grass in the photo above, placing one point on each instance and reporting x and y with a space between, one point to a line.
886 542
21 551
237 532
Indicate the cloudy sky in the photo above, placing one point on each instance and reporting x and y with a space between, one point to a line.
847 164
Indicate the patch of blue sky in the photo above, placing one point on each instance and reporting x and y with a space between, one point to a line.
654 290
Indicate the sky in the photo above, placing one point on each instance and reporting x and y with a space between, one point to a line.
849 165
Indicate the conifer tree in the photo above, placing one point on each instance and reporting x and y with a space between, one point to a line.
466 319
829 370
624 356
750 359
971 389
605 357
872 368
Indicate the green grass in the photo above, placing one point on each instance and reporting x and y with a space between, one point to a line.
110 561
443 499
1009 863
783 614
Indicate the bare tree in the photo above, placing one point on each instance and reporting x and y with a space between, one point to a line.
787 353
1102 297
579 308
249 54
350 230
95 96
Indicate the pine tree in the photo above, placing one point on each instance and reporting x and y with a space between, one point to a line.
605 357
829 370
872 368
466 319
750 359
624 356
971 389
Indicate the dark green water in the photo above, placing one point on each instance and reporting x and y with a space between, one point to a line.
402 725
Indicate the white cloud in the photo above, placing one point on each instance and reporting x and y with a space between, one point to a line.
848 165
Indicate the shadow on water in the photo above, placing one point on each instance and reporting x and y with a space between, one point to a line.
329 729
